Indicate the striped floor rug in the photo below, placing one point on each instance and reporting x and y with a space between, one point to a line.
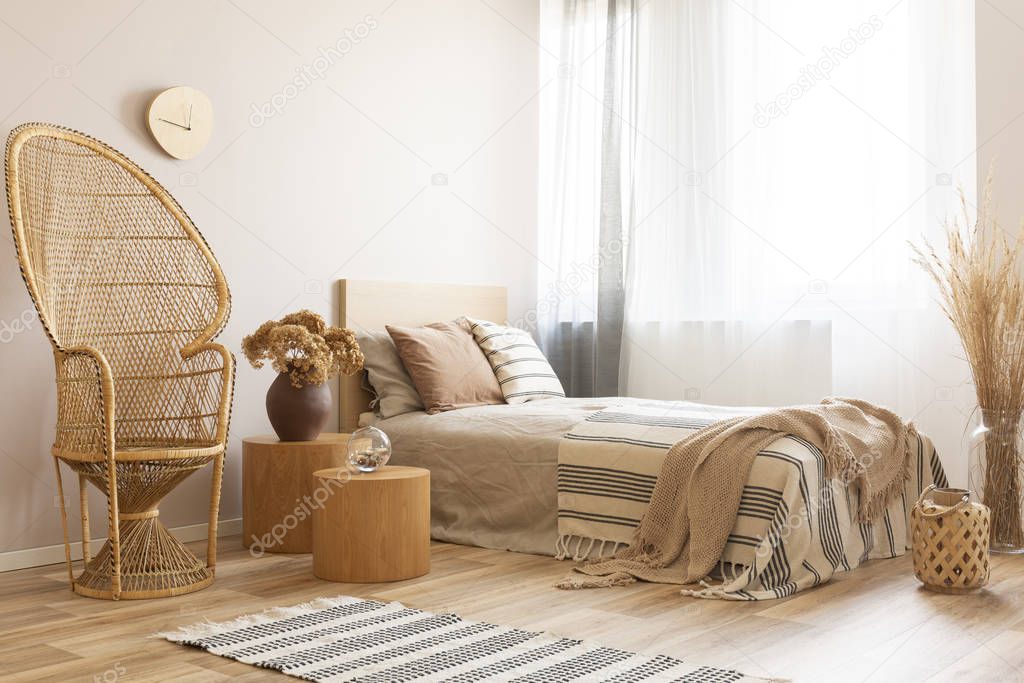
348 639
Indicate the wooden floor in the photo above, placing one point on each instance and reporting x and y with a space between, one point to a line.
873 624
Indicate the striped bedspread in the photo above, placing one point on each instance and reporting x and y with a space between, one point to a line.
795 527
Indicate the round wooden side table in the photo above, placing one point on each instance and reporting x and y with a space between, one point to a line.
374 526
279 492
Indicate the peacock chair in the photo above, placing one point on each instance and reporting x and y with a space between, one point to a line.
130 296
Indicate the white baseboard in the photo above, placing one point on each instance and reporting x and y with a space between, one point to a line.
54 554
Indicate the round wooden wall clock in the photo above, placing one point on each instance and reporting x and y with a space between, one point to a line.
181 121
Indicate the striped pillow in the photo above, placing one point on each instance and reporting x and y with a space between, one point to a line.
523 372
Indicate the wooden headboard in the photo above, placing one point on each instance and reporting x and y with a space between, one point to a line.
366 305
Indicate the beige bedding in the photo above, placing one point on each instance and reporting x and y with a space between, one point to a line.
824 488
492 468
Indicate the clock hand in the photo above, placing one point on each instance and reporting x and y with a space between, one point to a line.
189 122
174 124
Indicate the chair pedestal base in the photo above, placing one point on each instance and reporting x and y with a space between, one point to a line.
154 564
141 595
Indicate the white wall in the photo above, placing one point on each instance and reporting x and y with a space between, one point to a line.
343 182
1000 56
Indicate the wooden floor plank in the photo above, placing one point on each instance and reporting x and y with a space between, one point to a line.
873 624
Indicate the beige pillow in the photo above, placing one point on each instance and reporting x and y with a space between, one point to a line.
391 385
447 367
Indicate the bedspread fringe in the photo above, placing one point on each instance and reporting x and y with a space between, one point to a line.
709 591
580 548
579 581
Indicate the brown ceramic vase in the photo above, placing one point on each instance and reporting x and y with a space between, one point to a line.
298 414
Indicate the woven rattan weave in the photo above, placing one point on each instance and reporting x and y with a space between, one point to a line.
130 296
950 540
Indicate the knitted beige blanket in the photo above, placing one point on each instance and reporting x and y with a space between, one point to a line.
697 495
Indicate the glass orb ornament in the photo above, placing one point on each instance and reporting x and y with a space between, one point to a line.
369 449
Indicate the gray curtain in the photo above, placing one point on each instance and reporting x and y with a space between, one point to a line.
585 350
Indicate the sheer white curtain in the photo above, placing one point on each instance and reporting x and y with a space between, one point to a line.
776 156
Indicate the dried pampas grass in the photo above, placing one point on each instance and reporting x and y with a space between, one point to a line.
982 293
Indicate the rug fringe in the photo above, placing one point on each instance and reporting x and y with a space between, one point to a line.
207 628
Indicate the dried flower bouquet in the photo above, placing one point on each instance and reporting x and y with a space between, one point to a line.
304 347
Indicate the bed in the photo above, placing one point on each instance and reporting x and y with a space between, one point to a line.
532 478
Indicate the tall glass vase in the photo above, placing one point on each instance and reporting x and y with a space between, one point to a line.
997 476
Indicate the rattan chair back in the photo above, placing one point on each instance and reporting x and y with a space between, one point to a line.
113 262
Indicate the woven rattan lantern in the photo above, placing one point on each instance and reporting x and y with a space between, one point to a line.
950 539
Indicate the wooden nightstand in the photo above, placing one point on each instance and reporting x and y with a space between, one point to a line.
279 490
373 527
